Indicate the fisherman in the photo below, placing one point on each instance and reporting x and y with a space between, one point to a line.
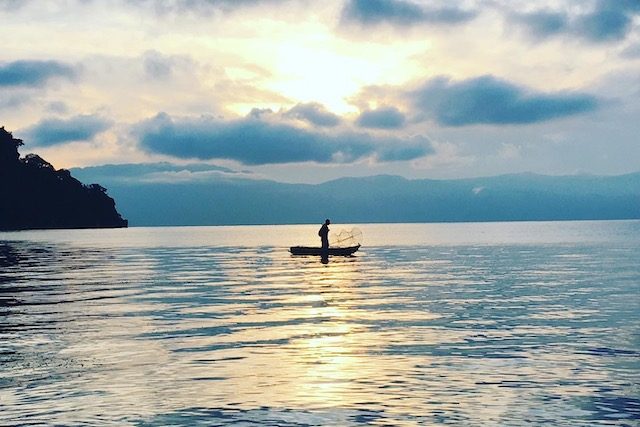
324 235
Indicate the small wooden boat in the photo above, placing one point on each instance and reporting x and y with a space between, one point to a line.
308 250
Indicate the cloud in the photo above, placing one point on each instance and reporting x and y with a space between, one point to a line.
605 24
12 102
631 52
197 6
33 73
401 12
254 141
488 100
381 118
607 21
181 7
12 5
57 107
49 132
314 113
156 65
542 24
131 173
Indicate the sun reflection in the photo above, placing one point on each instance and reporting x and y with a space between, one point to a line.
330 356
124 335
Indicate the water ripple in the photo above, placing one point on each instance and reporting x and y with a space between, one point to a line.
482 334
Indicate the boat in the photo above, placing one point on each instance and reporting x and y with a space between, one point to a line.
310 250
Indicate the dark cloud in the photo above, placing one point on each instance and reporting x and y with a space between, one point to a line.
50 132
314 113
400 12
488 100
254 141
33 73
607 21
606 24
381 118
629 6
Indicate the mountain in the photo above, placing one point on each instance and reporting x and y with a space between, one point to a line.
33 194
167 194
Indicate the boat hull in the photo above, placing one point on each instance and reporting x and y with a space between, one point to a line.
307 250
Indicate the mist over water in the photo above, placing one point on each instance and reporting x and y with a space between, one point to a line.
430 324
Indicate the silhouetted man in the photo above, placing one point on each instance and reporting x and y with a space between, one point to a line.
324 235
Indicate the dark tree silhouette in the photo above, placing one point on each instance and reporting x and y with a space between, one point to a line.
33 194
8 148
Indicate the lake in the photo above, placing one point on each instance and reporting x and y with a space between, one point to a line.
475 324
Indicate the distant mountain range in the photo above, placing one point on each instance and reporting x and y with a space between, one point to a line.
167 194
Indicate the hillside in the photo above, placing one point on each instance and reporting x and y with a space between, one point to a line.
34 195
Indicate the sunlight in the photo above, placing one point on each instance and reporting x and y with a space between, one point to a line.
321 69
319 75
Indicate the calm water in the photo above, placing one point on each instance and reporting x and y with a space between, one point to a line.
501 324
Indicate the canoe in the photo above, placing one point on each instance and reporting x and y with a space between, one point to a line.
307 250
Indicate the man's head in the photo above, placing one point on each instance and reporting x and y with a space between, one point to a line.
327 221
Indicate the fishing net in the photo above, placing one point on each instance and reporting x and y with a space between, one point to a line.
346 238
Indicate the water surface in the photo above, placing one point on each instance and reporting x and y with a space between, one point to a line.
430 324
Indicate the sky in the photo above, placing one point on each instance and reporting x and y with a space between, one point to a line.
308 91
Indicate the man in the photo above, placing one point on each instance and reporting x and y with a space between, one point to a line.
324 235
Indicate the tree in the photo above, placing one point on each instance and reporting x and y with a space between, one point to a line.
33 194
8 147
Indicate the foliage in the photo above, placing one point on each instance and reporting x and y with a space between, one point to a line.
33 194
